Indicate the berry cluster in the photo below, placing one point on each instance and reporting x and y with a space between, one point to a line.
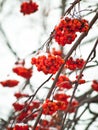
17 106
48 125
43 122
44 125
23 72
28 7
73 105
50 107
65 32
62 101
48 64
74 64
9 83
81 80
22 116
61 97
20 95
64 82
21 127
56 52
27 111
41 128
95 85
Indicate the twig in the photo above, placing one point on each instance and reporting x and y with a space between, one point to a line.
45 43
71 7
8 44
75 120
90 123
82 36
33 95
76 85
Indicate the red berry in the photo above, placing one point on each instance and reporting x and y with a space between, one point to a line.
95 85
23 72
28 7
9 83
49 64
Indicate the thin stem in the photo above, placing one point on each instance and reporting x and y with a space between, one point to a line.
33 95
76 85
71 7
75 120
8 44
82 36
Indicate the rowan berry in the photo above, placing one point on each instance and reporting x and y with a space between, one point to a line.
95 85
62 105
41 128
23 72
18 106
49 64
44 123
21 127
73 64
56 52
61 97
80 63
73 106
64 82
81 80
20 95
9 83
49 107
28 7
65 31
